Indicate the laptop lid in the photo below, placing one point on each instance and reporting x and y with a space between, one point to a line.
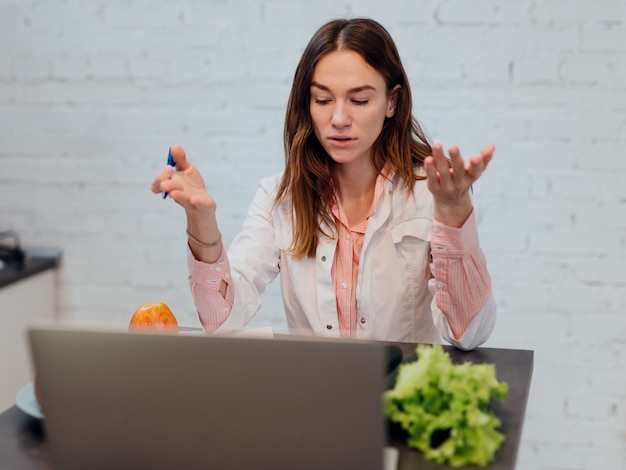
116 399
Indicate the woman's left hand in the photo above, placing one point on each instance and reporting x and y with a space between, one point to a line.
450 181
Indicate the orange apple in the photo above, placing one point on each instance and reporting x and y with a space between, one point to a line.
156 316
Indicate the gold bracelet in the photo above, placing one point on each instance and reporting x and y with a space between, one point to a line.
207 245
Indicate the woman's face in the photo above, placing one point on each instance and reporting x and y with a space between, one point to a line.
349 104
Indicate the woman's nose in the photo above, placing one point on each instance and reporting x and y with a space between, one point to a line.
341 116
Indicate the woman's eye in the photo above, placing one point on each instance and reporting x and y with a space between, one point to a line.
321 101
360 102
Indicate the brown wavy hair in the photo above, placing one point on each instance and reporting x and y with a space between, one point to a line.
307 178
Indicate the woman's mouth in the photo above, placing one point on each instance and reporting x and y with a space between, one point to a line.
341 140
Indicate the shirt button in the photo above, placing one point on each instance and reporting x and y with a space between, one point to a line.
344 285
218 268
436 229
440 285
224 309
323 258
347 236
363 320
329 327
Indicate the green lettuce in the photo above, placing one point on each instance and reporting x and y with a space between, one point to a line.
445 408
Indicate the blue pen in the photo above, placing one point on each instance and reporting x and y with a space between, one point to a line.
170 162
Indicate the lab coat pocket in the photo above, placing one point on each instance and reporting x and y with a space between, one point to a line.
415 228
411 239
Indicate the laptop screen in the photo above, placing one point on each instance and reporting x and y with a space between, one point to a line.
115 399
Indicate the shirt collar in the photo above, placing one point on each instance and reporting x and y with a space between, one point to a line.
379 187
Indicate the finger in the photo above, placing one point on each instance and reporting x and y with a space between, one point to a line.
442 164
456 162
180 157
487 153
164 175
439 157
177 195
169 186
474 167
444 168
432 175
478 163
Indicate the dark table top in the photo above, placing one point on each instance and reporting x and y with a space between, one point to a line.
23 442
35 261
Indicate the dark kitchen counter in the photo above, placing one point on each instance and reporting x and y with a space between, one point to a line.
35 262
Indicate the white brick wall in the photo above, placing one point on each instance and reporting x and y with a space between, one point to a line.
92 93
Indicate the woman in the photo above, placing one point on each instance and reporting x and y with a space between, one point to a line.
371 229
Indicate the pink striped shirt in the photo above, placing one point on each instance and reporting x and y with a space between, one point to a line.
345 267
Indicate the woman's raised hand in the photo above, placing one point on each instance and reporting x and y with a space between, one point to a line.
450 181
184 184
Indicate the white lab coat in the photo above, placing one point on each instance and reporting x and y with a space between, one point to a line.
395 291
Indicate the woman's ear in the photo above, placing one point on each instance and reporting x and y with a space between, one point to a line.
392 101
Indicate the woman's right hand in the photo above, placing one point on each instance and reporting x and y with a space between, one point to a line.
184 184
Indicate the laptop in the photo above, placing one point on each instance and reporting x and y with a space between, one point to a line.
119 399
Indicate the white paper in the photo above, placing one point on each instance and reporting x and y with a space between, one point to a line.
390 458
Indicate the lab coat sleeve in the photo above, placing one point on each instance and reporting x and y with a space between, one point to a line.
254 258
